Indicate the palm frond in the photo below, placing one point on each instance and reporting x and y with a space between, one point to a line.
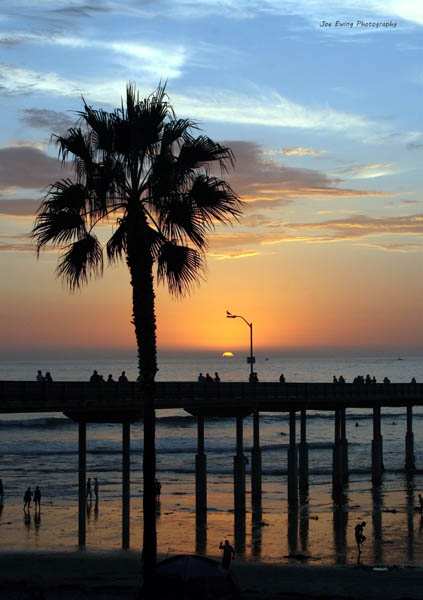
179 266
201 152
65 195
57 228
215 199
179 219
116 246
83 260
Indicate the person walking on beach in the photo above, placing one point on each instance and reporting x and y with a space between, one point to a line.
89 494
27 499
37 498
360 538
227 556
96 490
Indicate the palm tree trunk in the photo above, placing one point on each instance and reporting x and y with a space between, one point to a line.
140 265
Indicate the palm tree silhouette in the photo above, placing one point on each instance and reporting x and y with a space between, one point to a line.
142 170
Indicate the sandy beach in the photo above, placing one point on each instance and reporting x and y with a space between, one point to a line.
102 576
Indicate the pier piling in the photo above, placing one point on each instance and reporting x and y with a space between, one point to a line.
303 455
344 446
82 481
256 469
292 462
200 488
239 486
377 447
126 495
338 459
410 465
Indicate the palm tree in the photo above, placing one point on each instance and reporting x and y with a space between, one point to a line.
143 172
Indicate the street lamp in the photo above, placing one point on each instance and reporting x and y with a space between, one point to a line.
250 359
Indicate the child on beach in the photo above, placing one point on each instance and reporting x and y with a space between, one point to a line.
360 538
228 554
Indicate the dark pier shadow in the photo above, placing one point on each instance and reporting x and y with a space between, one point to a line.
201 534
340 527
293 529
377 497
304 519
257 532
410 508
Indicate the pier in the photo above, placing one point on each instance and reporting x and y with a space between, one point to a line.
86 403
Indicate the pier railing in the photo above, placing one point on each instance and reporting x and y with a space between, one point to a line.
29 396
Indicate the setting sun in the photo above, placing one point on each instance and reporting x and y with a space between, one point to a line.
228 354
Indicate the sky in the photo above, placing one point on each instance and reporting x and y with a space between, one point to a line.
321 103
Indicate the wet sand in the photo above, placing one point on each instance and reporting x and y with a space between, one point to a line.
117 575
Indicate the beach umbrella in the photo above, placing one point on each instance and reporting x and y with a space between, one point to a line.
190 577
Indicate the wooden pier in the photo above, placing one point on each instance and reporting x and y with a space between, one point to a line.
122 403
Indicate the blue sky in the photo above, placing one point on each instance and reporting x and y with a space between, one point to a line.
326 122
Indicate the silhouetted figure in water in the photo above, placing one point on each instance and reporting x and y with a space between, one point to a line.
37 498
1 492
157 489
216 377
209 378
228 555
281 378
48 378
110 379
89 493
95 377
27 499
40 377
360 538
96 490
357 424
123 378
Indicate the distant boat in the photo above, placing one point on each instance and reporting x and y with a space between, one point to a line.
399 358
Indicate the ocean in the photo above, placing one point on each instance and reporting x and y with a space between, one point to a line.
42 450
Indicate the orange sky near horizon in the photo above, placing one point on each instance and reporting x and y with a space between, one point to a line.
301 297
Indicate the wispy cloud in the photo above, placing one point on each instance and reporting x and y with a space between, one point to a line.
267 109
369 171
157 61
301 151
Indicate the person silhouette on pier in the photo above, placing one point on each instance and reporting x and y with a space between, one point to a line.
123 378
27 499
282 378
89 493
37 498
110 379
40 377
201 378
216 377
209 378
360 538
48 378
95 377
228 555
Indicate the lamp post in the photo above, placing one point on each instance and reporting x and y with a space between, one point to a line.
250 359
256 452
